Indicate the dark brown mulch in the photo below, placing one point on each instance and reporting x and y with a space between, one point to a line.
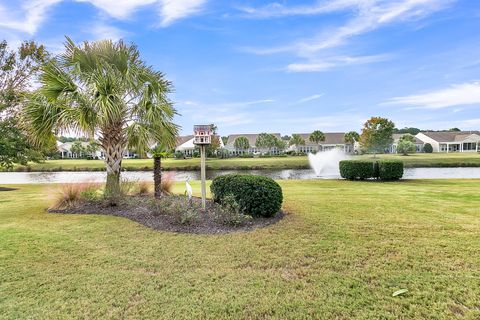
7 189
139 209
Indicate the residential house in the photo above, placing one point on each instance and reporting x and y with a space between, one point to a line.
332 140
419 144
252 139
186 146
65 152
451 141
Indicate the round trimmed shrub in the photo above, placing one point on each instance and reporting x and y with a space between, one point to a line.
427 148
357 169
390 170
257 196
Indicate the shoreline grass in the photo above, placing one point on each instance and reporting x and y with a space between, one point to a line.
274 163
342 251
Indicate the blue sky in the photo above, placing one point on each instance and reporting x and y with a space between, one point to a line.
286 66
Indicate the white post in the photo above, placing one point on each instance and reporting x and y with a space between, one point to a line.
202 175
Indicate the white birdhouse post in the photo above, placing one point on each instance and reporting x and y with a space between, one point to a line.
202 138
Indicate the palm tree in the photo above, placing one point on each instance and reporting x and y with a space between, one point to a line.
317 136
102 88
158 153
351 137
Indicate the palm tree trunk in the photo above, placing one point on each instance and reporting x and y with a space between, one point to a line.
157 176
113 144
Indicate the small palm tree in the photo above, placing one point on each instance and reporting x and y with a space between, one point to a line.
296 140
102 88
158 153
351 137
317 136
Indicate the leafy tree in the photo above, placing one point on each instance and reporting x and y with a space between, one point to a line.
18 70
286 138
92 148
407 137
241 143
280 144
351 137
103 88
296 140
224 140
212 148
405 147
317 136
78 149
455 129
377 134
266 141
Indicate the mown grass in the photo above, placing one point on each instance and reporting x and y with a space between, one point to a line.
414 160
342 251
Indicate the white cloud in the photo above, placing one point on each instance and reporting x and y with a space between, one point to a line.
455 95
101 30
369 15
172 10
28 17
310 98
332 62
119 9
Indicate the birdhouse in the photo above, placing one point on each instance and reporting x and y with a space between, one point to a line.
202 134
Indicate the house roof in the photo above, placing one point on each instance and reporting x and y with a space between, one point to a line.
396 137
330 138
68 145
252 138
449 136
186 142
182 139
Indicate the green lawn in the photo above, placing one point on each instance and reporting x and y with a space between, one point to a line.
342 251
415 160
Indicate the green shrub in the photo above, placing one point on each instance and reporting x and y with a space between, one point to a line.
256 195
363 169
427 148
390 170
246 155
357 169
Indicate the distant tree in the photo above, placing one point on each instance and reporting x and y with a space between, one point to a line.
92 148
78 149
317 136
286 137
296 140
411 130
280 144
212 148
454 129
405 147
407 137
427 148
266 140
241 143
377 135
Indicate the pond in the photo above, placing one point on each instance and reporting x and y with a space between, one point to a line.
300 174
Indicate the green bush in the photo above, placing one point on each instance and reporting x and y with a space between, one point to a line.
386 170
256 195
246 155
390 170
427 148
357 169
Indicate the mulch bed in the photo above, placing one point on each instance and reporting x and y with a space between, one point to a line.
7 189
139 209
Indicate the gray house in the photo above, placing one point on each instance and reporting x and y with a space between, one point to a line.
452 141
252 139
332 140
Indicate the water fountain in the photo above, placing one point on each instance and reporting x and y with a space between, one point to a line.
325 163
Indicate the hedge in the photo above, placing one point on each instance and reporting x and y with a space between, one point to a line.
256 195
357 169
386 170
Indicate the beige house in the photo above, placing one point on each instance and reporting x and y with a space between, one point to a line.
332 140
252 139
452 141
186 146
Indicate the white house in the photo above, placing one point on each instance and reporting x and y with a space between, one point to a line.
452 141
419 144
186 146
65 151
252 139
332 140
